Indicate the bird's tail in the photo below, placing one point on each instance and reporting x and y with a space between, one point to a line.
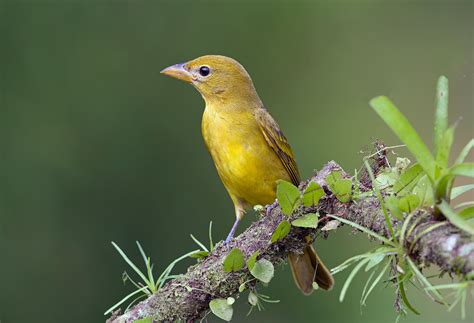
307 268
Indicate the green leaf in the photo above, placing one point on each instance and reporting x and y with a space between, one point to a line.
423 280
288 197
166 273
448 286
145 320
375 282
403 231
281 231
263 270
374 260
467 213
364 290
386 178
148 266
234 261
455 218
211 244
312 194
347 263
309 220
144 295
444 148
407 134
363 229
199 254
221 308
142 252
349 279
409 203
424 191
464 204
444 183
464 169
131 264
392 204
341 188
464 152
381 201
457 191
408 180
403 294
356 193
252 259
333 177
441 114
125 298
199 243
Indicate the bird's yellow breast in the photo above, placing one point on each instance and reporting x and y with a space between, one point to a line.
246 164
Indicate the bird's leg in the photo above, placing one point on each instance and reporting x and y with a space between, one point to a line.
232 231
239 213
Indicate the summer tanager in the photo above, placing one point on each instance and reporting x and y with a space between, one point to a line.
249 150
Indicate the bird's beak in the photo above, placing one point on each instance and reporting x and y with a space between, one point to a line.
178 71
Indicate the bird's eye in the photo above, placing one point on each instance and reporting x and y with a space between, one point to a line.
204 70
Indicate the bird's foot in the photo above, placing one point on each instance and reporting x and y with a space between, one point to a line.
230 236
228 239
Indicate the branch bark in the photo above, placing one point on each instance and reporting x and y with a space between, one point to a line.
187 297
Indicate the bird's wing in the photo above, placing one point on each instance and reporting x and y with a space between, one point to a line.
276 139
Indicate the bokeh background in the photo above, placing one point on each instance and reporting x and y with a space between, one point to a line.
97 146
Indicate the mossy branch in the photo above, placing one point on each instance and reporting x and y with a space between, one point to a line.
427 241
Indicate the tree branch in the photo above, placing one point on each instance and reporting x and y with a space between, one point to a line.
187 297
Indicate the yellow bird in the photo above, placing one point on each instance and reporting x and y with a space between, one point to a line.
249 150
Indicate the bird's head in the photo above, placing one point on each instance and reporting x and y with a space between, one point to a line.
216 78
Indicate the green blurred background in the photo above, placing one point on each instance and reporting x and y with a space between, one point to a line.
97 146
